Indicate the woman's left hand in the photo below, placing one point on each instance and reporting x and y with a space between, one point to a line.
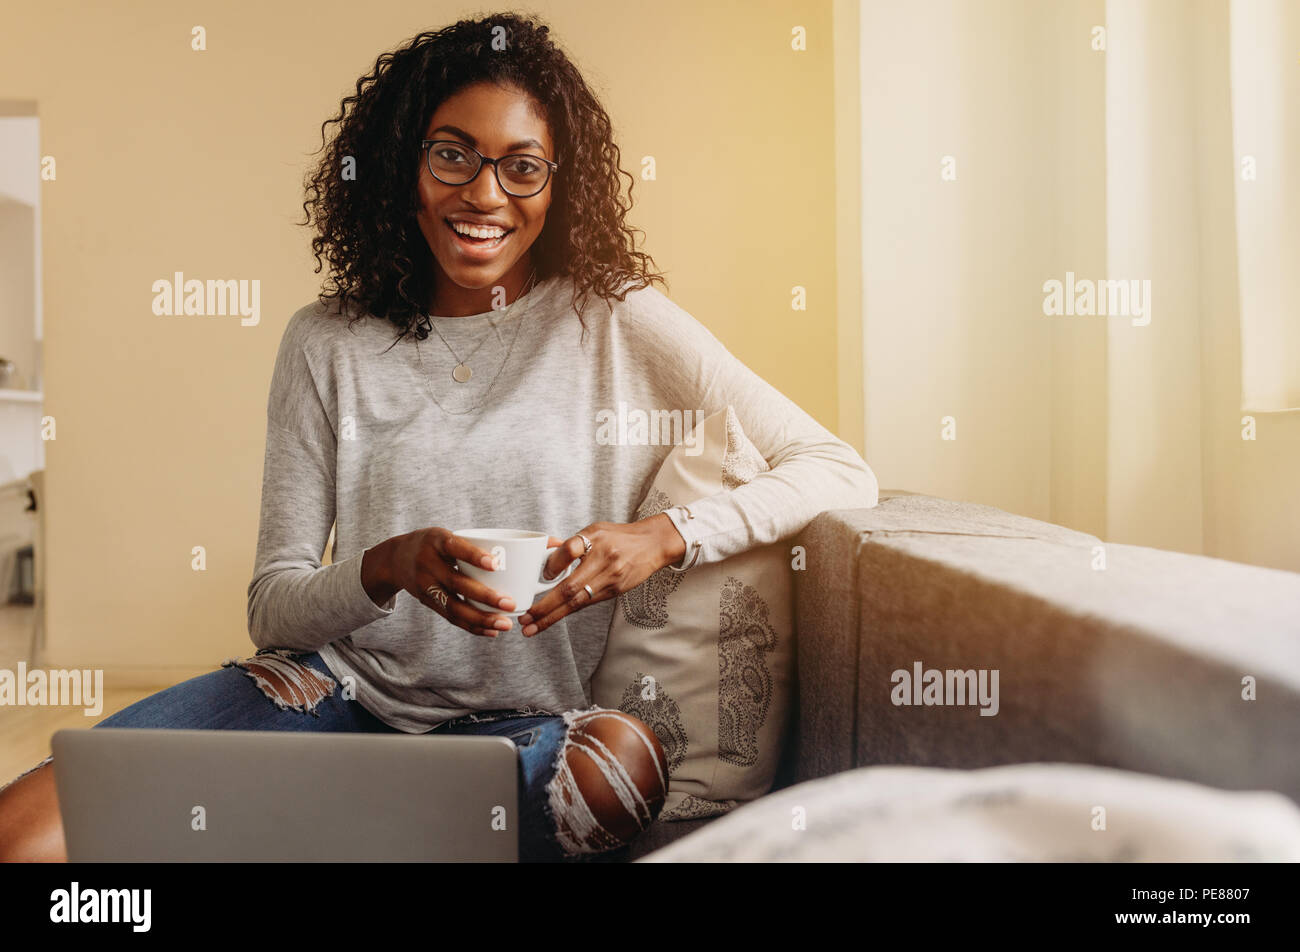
622 556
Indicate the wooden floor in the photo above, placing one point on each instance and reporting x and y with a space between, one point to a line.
25 731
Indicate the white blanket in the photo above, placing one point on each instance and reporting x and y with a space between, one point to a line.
1017 813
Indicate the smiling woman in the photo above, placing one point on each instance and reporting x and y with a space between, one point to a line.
486 122
481 227
486 211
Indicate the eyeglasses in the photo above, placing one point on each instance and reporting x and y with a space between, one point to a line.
454 163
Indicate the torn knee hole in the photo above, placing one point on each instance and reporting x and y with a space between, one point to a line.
610 782
288 682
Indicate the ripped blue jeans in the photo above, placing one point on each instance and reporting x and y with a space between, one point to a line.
239 696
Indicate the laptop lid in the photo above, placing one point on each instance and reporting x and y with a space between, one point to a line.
145 795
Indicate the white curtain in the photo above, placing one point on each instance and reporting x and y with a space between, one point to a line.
1265 43
1009 143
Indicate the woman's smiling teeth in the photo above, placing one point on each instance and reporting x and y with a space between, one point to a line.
488 234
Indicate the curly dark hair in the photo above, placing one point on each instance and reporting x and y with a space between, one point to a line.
367 225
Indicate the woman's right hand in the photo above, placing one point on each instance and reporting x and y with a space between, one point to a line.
424 561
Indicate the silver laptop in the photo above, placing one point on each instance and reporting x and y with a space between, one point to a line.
145 795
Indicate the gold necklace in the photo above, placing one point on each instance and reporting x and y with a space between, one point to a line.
461 372
429 383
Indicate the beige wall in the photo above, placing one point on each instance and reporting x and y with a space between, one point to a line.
173 160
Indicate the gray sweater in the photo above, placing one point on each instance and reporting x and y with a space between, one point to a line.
356 439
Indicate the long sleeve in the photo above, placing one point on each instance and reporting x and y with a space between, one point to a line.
812 470
293 600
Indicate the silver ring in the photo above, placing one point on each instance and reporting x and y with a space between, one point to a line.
590 593
438 594
587 543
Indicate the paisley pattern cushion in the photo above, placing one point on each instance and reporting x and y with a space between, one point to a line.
705 657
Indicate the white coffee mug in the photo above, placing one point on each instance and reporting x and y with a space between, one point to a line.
519 556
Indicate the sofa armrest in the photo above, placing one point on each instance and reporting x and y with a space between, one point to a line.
1139 665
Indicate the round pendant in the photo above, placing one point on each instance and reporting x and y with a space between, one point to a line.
461 373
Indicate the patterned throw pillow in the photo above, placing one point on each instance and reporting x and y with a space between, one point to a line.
705 657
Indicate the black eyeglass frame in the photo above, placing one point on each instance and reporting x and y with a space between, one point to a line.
552 167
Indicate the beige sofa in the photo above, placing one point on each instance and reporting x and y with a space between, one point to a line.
1146 664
